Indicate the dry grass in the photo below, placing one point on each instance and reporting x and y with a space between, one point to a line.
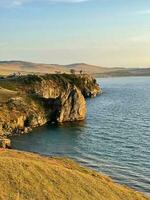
6 94
30 176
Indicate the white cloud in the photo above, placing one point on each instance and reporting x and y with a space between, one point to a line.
10 3
139 38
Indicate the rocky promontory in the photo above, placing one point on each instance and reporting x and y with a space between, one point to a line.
33 100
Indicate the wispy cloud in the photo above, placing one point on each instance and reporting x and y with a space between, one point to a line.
10 3
139 39
18 2
67 1
143 12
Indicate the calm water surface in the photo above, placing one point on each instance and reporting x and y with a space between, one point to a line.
114 139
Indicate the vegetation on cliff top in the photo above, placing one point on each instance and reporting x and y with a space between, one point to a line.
25 176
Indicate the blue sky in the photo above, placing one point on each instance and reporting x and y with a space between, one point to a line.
102 32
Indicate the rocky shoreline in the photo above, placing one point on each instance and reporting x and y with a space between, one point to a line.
33 100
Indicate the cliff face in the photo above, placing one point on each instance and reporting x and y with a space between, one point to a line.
86 83
38 99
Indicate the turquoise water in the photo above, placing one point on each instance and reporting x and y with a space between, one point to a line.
114 138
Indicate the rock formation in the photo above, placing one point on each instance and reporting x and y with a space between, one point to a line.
39 99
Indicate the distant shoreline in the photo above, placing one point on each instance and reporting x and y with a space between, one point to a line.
9 67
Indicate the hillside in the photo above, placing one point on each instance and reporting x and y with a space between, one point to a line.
9 67
25 176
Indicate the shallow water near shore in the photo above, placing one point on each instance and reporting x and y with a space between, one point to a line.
114 138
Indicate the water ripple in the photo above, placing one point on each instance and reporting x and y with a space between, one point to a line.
114 139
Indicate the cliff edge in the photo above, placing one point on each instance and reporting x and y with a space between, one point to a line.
34 100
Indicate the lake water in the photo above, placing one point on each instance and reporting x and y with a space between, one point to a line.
114 138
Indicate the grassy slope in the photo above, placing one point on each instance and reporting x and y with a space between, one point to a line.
5 94
30 176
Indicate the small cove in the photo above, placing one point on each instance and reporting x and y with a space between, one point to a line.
113 139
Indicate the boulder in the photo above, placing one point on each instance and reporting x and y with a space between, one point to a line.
5 143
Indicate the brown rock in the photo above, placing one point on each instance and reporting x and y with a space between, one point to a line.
5 143
73 106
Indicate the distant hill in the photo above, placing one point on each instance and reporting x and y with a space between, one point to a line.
9 67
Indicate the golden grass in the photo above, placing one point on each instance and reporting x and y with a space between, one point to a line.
6 94
26 176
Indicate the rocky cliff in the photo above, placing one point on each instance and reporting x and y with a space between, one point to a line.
34 100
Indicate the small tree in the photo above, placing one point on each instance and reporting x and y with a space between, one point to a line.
81 72
72 71
58 72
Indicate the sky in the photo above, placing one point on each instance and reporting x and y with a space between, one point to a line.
109 33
